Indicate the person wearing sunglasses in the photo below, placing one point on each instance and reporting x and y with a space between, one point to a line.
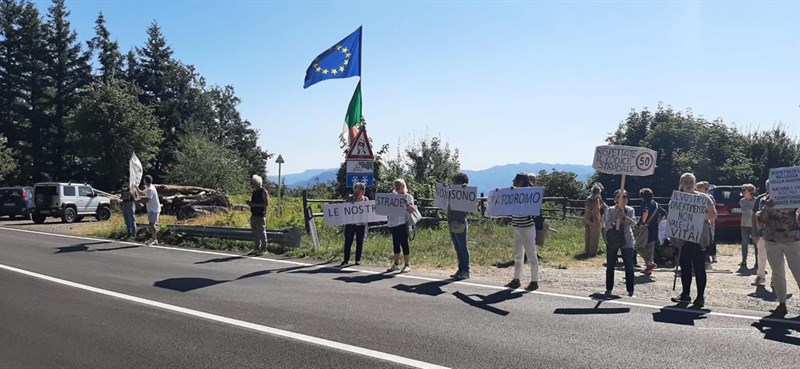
618 222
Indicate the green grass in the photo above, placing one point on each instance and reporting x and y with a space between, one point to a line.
489 242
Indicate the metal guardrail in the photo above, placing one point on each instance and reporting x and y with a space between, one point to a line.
289 237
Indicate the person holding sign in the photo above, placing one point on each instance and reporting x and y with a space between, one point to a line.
524 242
356 231
399 229
780 229
693 254
457 221
618 222
129 209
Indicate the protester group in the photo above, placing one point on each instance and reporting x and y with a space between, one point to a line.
774 232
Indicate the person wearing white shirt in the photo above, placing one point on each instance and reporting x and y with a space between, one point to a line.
150 198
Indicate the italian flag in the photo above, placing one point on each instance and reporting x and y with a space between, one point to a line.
353 117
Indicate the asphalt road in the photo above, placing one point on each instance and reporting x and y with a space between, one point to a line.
83 303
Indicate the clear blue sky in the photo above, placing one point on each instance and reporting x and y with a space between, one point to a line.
502 81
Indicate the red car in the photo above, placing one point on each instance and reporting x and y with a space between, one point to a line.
729 213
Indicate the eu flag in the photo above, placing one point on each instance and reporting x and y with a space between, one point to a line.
342 60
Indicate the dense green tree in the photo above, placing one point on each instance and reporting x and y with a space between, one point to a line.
202 162
10 75
559 184
7 162
113 124
68 73
108 54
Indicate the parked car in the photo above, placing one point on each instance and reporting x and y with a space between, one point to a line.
729 213
68 201
16 201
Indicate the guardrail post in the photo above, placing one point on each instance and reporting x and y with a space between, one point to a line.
564 203
306 212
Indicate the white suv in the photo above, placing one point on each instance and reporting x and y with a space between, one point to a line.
69 201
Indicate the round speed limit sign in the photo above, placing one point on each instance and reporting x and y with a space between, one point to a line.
645 161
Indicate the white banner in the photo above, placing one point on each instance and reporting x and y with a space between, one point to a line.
441 197
351 213
515 201
135 172
458 197
391 204
628 160
687 214
784 187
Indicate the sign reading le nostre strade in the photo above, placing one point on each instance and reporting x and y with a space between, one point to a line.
624 160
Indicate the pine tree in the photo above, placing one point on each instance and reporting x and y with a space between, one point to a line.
10 47
68 74
131 67
109 57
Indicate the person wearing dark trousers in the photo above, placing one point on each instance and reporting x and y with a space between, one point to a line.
399 229
457 222
355 231
618 222
693 255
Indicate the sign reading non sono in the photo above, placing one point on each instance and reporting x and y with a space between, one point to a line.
687 214
784 187
627 160
351 213
458 197
515 201
391 204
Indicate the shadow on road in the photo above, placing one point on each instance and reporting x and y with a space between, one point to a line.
78 248
485 302
220 260
279 270
364 279
186 284
323 270
594 310
763 293
433 288
119 248
779 332
678 314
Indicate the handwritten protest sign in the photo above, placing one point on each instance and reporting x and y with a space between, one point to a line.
351 213
687 214
135 172
784 187
390 204
624 160
441 197
457 197
515 201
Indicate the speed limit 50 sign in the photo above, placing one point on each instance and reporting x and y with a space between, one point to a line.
624 160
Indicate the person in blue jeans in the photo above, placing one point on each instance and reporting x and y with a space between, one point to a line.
129 211
618 222
457 221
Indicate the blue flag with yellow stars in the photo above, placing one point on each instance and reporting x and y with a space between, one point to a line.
342 60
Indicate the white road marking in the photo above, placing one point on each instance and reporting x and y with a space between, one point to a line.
408 276
235 322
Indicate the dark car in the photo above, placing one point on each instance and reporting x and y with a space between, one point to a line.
16 201
729 213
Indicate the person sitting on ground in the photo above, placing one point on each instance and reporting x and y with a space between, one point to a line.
618 222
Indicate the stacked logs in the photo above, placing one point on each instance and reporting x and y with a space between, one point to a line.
188 202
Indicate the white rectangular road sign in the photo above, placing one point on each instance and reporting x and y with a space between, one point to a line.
360 166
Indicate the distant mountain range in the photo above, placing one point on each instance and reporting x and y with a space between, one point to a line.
485 180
